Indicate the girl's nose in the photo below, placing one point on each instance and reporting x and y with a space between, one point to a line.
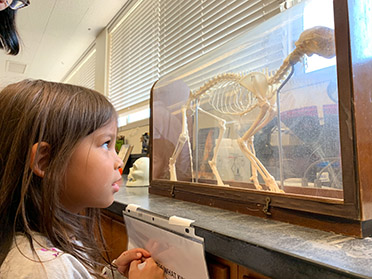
118 163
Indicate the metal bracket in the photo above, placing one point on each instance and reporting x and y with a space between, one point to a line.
287 4
172 191
267 207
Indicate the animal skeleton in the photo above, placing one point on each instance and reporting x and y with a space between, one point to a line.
235 94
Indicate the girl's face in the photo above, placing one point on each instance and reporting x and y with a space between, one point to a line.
92 175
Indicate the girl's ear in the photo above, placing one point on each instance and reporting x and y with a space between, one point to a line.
39 163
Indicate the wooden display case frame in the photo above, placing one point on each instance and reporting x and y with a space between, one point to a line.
353 214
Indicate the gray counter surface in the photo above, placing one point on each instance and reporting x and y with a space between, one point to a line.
275 249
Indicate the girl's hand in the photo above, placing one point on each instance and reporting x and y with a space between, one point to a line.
147 270
124 260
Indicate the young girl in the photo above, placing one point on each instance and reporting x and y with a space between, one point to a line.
57 160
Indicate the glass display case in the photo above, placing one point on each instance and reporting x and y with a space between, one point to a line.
272 123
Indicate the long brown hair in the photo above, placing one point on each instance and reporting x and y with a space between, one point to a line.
8 32
59 114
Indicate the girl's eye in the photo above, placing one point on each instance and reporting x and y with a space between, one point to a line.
106 145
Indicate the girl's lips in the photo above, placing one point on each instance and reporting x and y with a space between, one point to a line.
119 181
116 185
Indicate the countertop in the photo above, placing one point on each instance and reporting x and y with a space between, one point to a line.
275 249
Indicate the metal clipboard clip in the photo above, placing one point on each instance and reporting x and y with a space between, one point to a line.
179 225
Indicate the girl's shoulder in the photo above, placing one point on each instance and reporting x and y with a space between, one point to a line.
45 262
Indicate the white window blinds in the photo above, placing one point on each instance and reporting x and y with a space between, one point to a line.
84 72
156 37
134 54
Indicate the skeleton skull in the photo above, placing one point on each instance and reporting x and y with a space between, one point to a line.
139 173
317 40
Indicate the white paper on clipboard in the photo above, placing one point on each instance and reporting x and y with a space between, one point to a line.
171 242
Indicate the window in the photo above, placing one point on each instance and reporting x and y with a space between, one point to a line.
133 116
133 57
83 73
155 37
313 16
361 14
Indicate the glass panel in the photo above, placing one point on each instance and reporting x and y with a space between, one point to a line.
243 116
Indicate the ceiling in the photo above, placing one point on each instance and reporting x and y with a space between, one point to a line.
54 34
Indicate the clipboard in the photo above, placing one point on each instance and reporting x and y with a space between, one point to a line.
171 241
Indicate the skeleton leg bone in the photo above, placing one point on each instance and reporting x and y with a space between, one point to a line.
191 164
184 136
242 142
269 180
212 163
256 82
248 137
269 115
254 177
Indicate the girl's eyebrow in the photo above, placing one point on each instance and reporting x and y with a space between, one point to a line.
111 135
106 134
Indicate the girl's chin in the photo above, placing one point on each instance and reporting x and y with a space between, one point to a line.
107 204
115 187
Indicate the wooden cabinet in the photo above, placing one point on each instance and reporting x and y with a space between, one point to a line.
219 268
115 234
246 273
318 152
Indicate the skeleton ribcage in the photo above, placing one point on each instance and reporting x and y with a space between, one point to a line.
229 97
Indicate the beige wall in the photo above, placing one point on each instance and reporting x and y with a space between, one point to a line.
133 133
101 64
